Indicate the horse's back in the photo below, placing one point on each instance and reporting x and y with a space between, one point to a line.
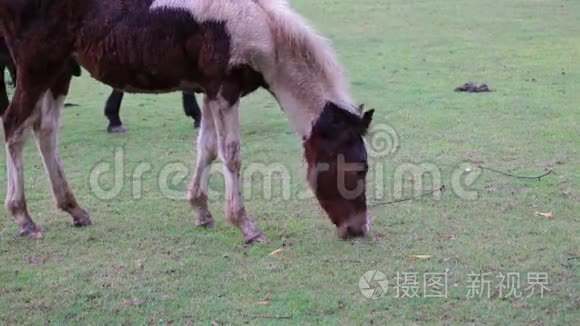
158 46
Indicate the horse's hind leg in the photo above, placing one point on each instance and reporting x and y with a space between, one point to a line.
15 200
226 120
206 154
112 109
191 109
46 127
17 120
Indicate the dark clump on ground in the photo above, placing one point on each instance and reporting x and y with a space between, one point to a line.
473 88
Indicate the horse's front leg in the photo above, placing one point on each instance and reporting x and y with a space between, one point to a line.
226 120
206 154
46 127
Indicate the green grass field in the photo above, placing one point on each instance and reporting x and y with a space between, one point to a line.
144 261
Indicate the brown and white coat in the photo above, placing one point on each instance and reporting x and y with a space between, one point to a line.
222 48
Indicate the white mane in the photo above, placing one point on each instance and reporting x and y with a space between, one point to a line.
295 34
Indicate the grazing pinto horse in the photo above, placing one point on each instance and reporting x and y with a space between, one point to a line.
223 48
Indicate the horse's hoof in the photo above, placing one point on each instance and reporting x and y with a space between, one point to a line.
82 222
81 217
254 238
206 223
31 232
116 129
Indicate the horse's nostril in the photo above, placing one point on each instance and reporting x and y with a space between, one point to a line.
353 232
349 231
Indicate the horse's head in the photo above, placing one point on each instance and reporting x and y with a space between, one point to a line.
337 168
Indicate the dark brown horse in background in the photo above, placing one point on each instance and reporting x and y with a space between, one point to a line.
112 106
222 48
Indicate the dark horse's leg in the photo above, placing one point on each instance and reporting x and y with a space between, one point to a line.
112 108
191 108
3 94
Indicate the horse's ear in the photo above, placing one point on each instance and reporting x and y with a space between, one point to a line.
366 120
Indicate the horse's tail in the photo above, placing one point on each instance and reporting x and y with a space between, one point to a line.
293 33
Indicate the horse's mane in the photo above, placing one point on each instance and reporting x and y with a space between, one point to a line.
293 33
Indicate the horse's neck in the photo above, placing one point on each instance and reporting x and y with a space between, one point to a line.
302 106
302 96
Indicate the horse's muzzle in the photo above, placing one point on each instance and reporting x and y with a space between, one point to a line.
358 226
